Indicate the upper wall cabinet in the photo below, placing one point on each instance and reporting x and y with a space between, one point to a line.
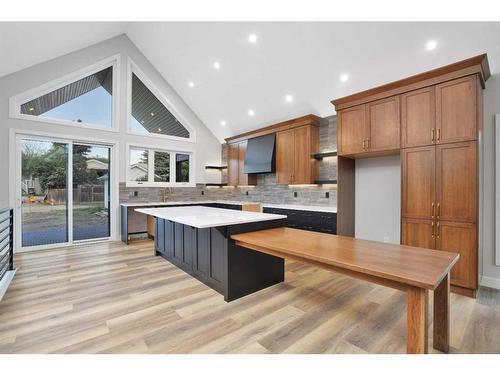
235 160
371 128
294 161
352 130
456 110
444 113
384 124
418 120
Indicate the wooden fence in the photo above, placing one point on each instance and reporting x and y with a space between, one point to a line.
82 194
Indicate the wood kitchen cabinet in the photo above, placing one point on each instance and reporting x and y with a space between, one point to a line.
418 182
460 238
440 116
372 128
418 118
352 130
235 161
456 110
418 232
456 186
294 161
439 204
384 124
284 160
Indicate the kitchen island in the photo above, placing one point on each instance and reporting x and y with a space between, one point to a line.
197 239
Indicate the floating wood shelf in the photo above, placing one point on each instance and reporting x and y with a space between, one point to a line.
321 155
321 182
218 167
219 185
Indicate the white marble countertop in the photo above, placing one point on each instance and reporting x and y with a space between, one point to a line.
329 209
207 217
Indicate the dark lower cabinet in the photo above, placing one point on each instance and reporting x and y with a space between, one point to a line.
325 222
178 242
160 236
202 255
217 254
212 257
190 246
169 237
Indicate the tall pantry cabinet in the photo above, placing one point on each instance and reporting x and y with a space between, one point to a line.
440 119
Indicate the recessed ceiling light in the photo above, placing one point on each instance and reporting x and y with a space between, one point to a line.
152 113
142 121
31 109
431 45
222 123
191 84
344 77
159 129
216 65
251 112
289 98
252 38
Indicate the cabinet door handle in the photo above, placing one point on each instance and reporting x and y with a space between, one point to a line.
368 143
432 135
438 135
432 229
433 210
437 231
438 211
364 141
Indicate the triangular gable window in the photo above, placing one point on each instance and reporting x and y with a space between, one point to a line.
150 116
88 100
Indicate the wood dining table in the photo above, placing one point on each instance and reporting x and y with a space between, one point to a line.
415 271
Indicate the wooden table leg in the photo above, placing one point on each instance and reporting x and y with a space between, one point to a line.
441 332
416 339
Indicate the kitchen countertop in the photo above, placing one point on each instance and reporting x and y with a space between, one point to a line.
207 217
329 209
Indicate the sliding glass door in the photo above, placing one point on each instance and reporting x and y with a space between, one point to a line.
91 192
65 192
44 193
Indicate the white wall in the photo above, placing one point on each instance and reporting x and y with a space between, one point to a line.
206 148
489 271
378 198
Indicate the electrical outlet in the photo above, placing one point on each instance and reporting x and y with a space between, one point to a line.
136 193
327 194
386 239
202 192
295 194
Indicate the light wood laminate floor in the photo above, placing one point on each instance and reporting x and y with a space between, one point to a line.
113 298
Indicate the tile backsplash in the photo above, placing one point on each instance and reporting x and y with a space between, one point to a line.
266 190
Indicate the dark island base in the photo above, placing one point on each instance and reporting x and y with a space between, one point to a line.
209 255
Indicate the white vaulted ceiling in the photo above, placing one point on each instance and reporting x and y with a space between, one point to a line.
304 60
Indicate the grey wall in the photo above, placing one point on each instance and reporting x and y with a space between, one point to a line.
378 198
266 190
206 148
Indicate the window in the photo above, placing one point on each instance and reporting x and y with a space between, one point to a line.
138 165
181 168
85 98
149 115
88 100
162 166
149 167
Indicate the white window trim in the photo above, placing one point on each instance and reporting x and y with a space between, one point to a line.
133 68
14 182
151 182
16 101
